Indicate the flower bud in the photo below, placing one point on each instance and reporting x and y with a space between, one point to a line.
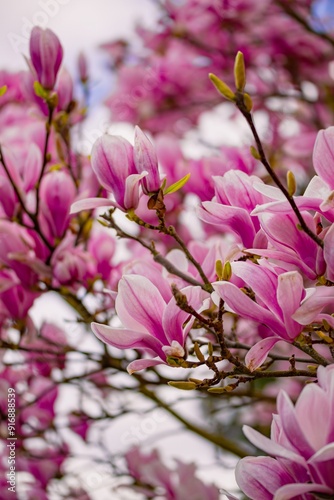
46 54
222 87
239 72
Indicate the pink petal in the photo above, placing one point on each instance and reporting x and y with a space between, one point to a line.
141 364
260 477
323 155
126 339
271 447
291 491
290 292
140 306
233 219
247 308
316 300
258 353
91 203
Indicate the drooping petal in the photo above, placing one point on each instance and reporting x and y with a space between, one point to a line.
241 304
123 338
141 364
258 353
233 219
90 204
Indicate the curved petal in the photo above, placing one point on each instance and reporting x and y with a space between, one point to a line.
271 447
292 427
260 477
258 353
141 364
126 339
233 219
241 304
91 203
291 491
140 306
313 304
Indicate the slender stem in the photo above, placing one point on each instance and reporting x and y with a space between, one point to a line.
157 257
312 353
241 106
172 232
218 440
303 22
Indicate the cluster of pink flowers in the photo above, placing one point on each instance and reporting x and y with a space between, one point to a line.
221 270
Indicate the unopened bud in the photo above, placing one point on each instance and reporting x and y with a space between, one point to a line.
184 386
239 72
291 182
219 269
254 152
227 271
222 88
198 352
248 102
210 349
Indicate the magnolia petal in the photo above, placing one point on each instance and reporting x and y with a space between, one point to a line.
234 219
323 155
140 306
131 194
293 490
291 426
241 304
91 203
313 304
141 364
290 292
271 447
258 353
260 477
126 339
329 252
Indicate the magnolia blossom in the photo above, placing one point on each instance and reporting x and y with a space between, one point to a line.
150 323
46 55
302 444
277 302
120 169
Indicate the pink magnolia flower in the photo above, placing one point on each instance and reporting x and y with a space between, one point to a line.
57 192
177 483
46 55
276 304
149 322
113 163
230 210
302 442
290 246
